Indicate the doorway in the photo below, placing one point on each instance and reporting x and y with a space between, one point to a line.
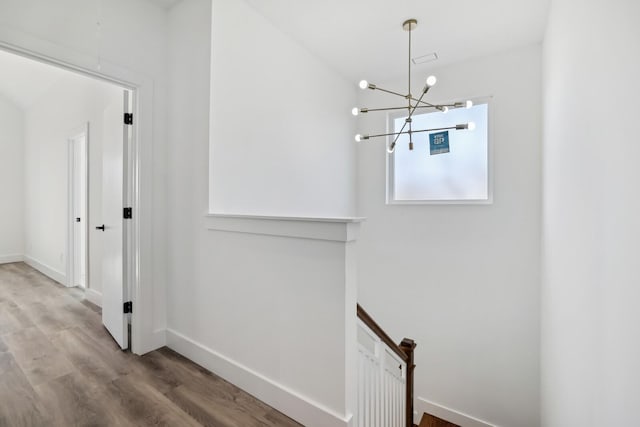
80 194
78 207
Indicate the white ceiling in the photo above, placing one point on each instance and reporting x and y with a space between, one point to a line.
358 38
364 38
165 4
23 81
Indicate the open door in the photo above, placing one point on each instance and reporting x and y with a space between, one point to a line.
115 170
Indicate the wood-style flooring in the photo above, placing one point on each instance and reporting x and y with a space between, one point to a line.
59 367
433 421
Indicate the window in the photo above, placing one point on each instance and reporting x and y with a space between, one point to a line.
432 174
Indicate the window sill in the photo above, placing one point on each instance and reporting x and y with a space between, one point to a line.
441 202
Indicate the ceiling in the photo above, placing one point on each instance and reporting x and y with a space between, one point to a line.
364 38
23 81
358 38
165 4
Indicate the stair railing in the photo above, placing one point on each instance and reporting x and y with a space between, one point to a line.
385 376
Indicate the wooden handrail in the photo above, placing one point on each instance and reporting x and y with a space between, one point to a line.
404 350
368 320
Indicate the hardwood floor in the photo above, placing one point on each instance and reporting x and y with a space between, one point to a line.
59 367
433 421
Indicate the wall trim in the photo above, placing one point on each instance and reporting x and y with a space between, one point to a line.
422 405
48 271
334 229
7 259
93 296
294 405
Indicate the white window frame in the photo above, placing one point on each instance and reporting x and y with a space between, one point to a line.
390 197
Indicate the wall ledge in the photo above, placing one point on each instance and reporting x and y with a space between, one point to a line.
322 228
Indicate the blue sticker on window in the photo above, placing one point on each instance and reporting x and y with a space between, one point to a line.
439 142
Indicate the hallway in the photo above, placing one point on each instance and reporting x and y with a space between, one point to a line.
59 366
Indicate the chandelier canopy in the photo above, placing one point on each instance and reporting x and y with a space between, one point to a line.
412 104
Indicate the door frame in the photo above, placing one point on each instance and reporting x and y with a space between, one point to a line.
146 336
72 175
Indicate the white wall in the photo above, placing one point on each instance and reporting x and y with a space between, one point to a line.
130 44
11 181
49 123
591 218
463 280
267 312
281 141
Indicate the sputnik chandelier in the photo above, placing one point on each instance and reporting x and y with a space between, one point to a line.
412 104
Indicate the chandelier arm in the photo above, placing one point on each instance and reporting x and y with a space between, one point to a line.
391 92
406 132
437 107
393 144
436 129
387 109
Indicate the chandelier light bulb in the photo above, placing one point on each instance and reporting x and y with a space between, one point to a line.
471 126
355 111
468 104
363 84
358 138
431 81
445 110
391 148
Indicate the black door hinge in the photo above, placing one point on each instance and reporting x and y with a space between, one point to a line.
128 307
128 118
127 214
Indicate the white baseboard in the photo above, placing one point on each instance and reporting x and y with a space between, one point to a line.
6 259
420 406
93 296
276 395
47 270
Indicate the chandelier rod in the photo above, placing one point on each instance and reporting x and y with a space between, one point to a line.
391 92
458 127
369 110
409 64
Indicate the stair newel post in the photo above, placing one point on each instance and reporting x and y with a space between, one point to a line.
408 346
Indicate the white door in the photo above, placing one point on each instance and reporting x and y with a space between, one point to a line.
114 177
